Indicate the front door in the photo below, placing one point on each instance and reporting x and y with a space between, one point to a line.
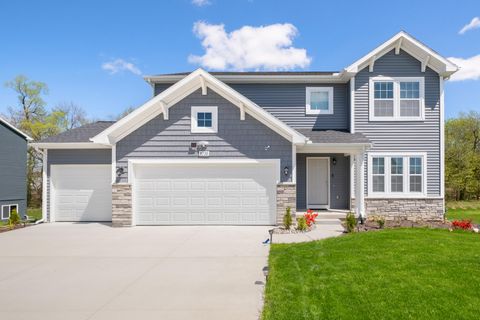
318 183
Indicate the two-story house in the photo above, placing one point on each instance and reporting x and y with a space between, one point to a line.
239 147
13 170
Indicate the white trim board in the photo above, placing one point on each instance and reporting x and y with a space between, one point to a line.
69 145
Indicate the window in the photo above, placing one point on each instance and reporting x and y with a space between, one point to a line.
319 100
398 99
378 172
397 175
7 210
204 120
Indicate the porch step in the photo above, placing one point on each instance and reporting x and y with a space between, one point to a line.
322 215
326 221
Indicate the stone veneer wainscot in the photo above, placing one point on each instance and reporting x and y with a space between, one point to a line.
286 197
405 208
121 205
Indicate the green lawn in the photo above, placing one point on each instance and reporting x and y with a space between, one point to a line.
35 213
464 210
389 274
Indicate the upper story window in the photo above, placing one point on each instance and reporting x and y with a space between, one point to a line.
396 99
397 174
204 120
319 100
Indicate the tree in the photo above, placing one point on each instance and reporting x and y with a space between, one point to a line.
74 115
125 112
462 156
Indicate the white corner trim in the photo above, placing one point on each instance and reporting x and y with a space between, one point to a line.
114 163
309 91
44 184
195 110
396 98
352 105
442 138
294 163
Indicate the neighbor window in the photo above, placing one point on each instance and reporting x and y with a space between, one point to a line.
7 210
396 98
400 175
204 120
319 100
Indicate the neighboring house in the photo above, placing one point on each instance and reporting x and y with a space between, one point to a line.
13 170
240 147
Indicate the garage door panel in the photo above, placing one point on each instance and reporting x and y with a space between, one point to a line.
231 194
81 192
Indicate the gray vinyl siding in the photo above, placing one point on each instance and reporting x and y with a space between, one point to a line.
74 156
171 138
160 87
339 180
13 169
287 103
403 136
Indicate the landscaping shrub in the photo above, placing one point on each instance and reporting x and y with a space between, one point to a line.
14 218
462 224
310 217
302 224
287 218
379 220
351 222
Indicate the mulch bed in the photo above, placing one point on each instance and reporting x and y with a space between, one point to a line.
19 226
373 225
292 230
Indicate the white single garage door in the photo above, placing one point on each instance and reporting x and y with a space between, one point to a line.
81 192
206 192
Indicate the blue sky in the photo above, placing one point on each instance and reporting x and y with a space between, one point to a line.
94 53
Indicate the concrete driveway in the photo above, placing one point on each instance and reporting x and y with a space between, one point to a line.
92 271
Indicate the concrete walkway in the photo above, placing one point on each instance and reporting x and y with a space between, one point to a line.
92 271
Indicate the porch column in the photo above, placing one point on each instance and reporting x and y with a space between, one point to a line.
360 184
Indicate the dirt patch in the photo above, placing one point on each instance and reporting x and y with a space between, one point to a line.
11 228
374 226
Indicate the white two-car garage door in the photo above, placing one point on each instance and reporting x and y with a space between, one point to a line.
205 192
81 192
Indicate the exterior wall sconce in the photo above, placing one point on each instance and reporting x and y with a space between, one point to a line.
334 161
120 171
286 170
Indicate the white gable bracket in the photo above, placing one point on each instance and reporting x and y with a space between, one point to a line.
398 46
204 86
372 63
164 108
242 111
425 63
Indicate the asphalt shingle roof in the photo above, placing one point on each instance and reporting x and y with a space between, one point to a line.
333 136
80 134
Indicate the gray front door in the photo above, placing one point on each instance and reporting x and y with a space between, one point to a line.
318 182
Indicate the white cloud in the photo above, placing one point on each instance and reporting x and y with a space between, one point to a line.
120 65
255 48
469 68
474 24
201 3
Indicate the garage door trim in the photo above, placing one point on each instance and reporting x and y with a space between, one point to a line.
195 161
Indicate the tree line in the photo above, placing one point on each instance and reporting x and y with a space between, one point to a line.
32 116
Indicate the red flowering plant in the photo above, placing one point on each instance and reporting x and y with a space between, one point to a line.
310 217
462 224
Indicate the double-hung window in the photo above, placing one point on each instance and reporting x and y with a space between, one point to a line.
204 120
396 99
397 174
8 209
319 100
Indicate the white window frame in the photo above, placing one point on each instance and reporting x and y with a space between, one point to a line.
194 124
396 98
9 210
309 90
406 175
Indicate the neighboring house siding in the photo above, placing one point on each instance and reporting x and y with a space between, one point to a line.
74 156
13 169
171 138
403 136
287 103
339 180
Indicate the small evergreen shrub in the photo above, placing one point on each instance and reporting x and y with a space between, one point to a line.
302 224
14 218
287 218
381 222
351 222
